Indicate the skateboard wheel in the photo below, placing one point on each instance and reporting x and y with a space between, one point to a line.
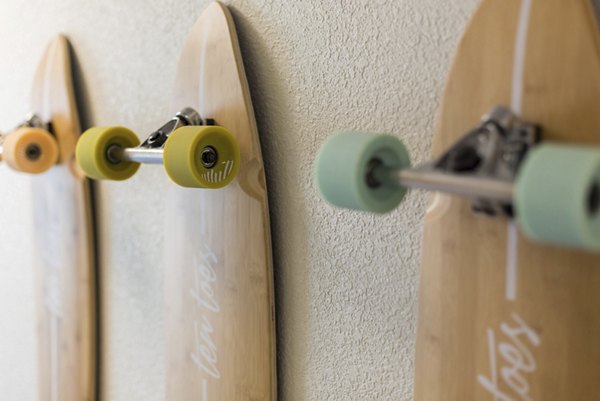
92 153
343 168
202 156
557 196
30 150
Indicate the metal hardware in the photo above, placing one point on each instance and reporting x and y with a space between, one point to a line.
209 157
481 165
151 150
32 120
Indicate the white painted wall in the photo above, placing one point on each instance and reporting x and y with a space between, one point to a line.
346 281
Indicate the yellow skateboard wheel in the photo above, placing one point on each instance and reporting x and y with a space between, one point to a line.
202 156
30 150
92 153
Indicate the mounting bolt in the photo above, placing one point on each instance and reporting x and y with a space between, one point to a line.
154 137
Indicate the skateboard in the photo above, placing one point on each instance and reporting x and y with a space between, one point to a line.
218 265
44 146
508 304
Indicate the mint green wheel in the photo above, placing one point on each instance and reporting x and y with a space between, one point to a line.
557 196
347 177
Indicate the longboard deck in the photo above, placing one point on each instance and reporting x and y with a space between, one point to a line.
218 265
65 283
500 317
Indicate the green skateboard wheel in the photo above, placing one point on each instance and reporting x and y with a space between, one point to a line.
92 153
557 196
343 166
202 156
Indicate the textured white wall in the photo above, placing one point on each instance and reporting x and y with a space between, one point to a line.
346 282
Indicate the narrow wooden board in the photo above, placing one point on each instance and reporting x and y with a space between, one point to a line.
490 329
218 268
64 250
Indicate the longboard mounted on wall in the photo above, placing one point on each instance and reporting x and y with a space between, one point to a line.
508 302
43 147
220 320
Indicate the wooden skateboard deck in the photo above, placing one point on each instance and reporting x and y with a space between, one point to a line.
64 252
500 317
218 268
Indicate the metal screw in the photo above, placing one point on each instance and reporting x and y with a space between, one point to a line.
154 137
209 157
112 154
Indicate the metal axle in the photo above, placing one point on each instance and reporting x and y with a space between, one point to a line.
469 186
137 155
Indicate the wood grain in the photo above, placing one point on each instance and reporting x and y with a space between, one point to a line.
218 267
543 344
64 245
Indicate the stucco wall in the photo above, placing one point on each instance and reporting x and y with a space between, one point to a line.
346 281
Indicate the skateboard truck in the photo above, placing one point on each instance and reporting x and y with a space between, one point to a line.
31 147
554 190
34 121
195 151
482 165
151 150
